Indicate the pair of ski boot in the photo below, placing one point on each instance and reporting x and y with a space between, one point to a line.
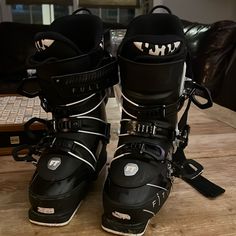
74 73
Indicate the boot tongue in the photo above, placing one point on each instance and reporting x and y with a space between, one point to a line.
152 49
54 46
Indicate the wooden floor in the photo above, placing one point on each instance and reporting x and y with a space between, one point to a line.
212 143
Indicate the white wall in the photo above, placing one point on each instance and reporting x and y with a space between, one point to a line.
5 14
204 11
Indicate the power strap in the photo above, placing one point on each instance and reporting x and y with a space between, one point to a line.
189 170
103 77
90 81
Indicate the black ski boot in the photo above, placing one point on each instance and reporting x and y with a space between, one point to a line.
73 74
152 60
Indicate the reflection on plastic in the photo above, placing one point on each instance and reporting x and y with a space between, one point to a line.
116 36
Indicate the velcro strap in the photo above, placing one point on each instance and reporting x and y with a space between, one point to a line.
90 81
146 129
89 125
150 112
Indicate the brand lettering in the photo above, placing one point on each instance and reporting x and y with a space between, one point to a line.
130 169
157 50
43 44
121 215
54 163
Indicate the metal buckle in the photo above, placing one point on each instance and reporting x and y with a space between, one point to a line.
64 124
189 169
45 105
164 111
145 148
155 111
183 136
24 153
148 129
194 89
68 124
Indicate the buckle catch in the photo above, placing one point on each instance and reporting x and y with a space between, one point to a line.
189 169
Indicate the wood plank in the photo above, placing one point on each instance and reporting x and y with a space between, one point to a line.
212 145
14 166
216 127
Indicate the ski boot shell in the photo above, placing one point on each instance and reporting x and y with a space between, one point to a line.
152 59
152 66
73 75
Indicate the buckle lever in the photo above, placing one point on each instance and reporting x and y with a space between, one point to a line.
64 124
201 91
183 136
24 153
29 125
189 169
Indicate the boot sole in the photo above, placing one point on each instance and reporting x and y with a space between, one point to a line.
115 227
34 218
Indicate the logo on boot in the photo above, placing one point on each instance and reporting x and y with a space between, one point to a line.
130 169
156 49
121 215
54 162
43 44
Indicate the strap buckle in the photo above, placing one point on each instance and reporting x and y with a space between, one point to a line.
183 136
147 129
189 169
64 125
29 125
193 90
144 128
24 153
152 111
155 151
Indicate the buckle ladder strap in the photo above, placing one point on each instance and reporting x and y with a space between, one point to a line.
150 112
89 125
189 170
84 124
90 81
146 129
